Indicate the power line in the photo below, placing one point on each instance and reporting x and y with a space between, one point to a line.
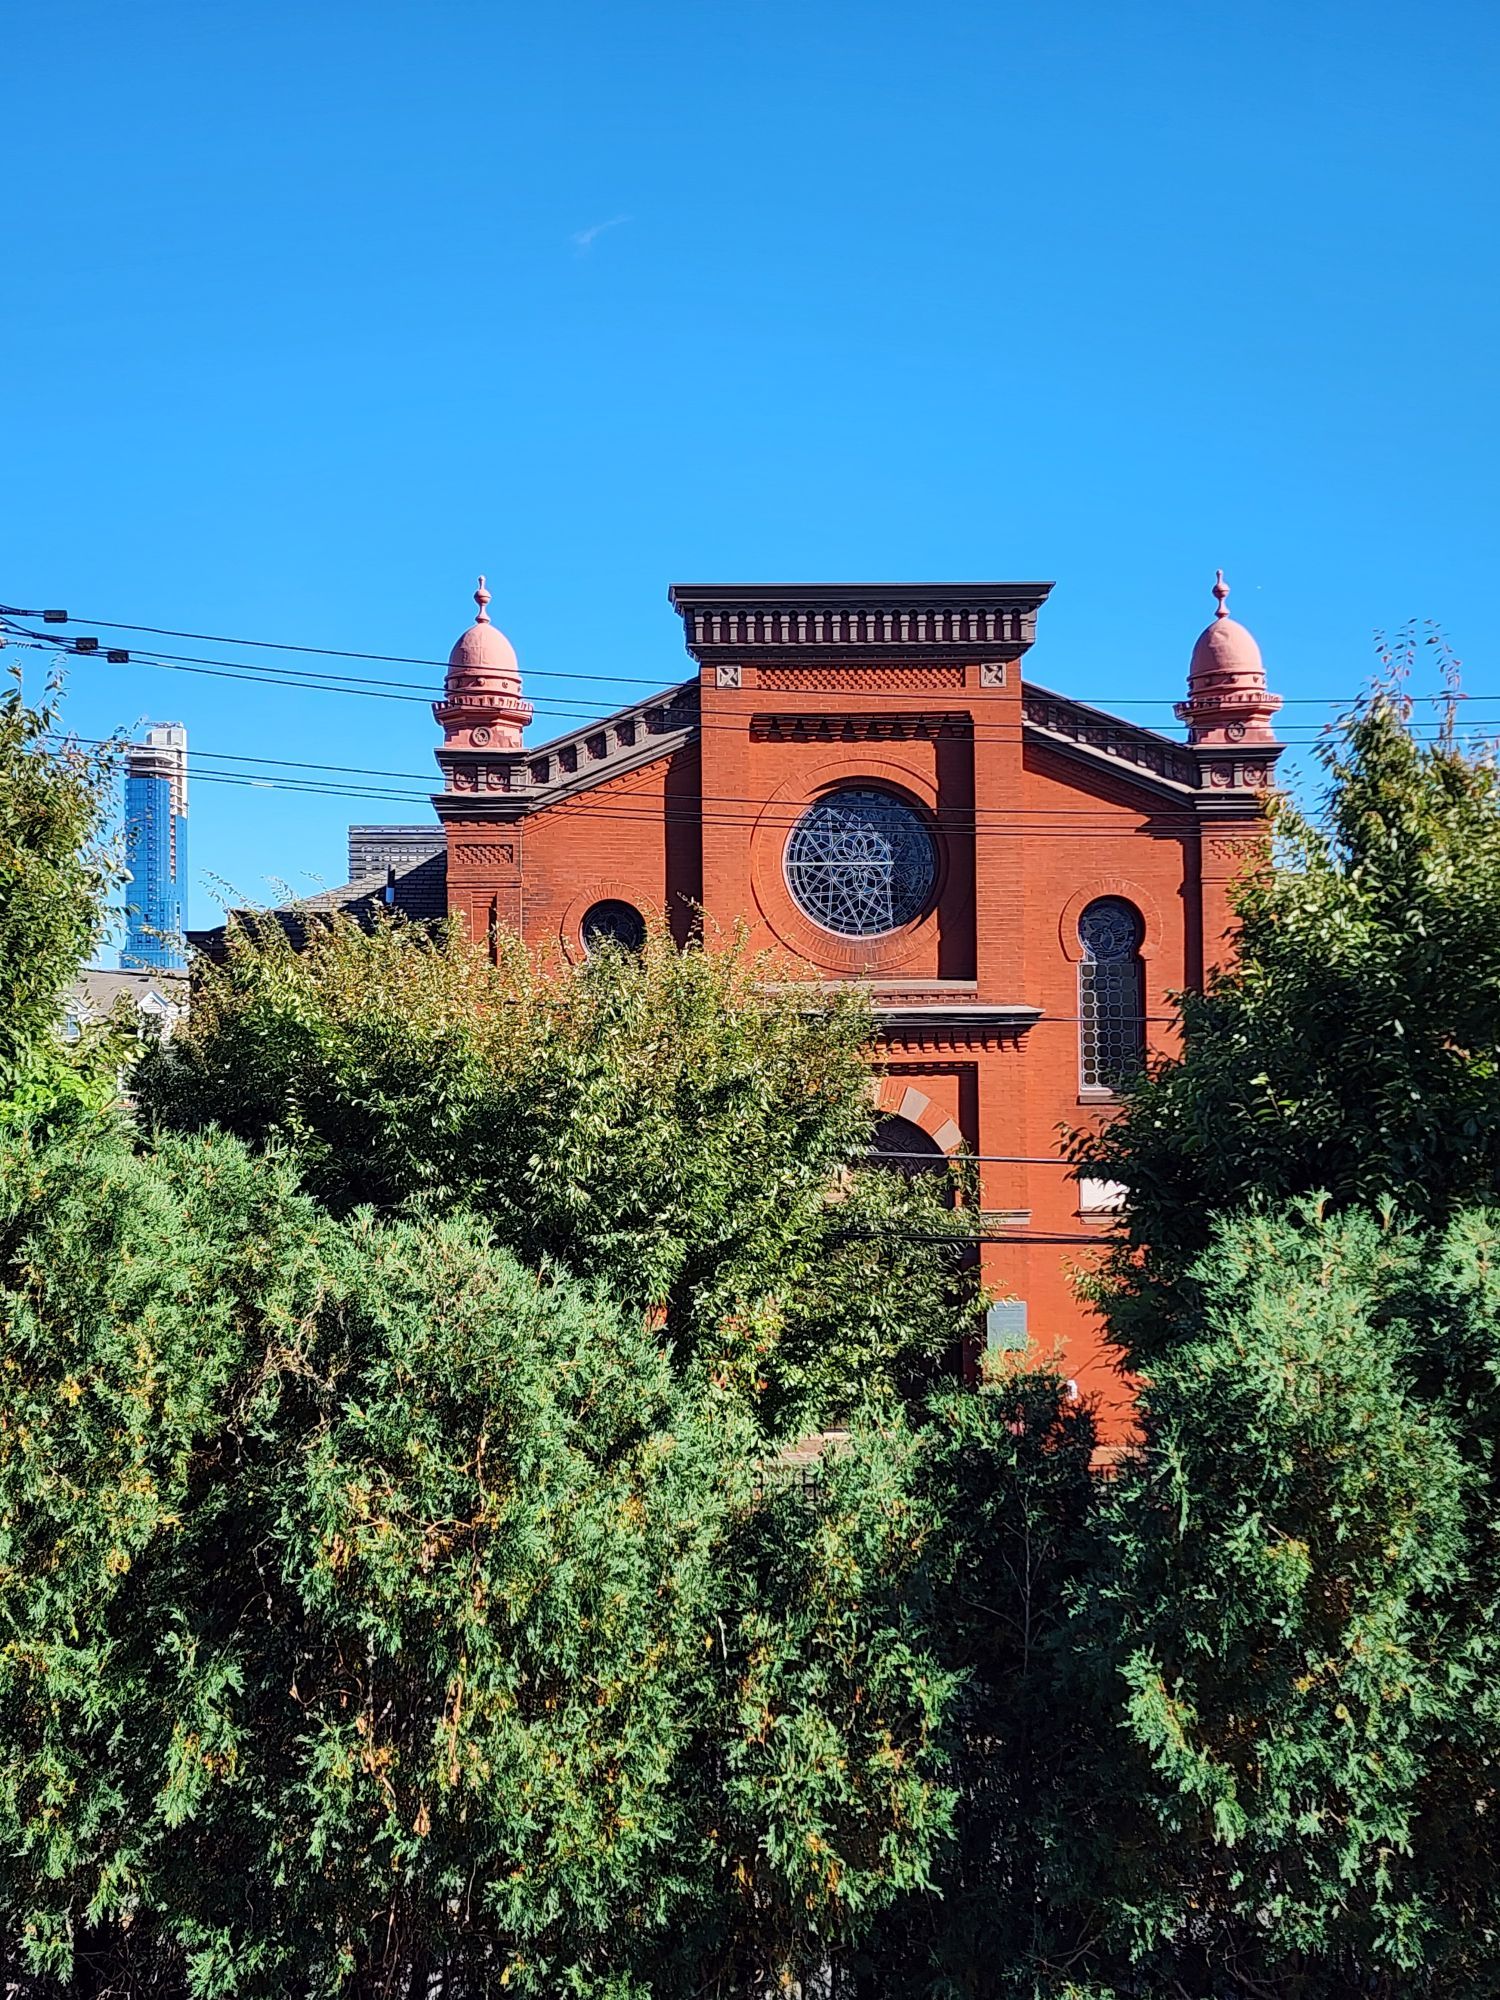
948 818
650 816
1023 823
538 673
323 681
354 686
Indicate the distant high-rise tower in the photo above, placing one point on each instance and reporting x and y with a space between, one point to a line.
156 848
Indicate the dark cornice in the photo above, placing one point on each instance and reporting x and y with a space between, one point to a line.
970 622
960 1024
881 596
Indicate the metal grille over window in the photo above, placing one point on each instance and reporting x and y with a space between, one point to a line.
1111 995
861 863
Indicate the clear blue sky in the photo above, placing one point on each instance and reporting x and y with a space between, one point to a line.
313 311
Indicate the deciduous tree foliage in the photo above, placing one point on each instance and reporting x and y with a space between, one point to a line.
1355 1050
54 868
680 1124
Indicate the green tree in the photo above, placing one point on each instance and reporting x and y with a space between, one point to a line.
1292 1605
1287 1603
54 870
1004 1479
1354 1051
374 1608
678 1124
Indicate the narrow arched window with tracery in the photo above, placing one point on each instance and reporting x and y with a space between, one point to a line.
1111 994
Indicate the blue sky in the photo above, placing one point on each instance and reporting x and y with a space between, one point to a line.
314 311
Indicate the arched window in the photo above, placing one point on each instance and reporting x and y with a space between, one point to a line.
615 922
1111 994
906 1147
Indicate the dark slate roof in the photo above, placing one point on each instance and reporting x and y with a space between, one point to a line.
420 891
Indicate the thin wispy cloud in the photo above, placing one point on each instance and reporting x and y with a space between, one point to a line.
583 240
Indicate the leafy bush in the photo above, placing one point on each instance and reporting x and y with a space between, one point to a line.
679 1125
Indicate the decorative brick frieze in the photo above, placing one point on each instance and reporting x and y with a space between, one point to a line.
857 728
836 679
483 854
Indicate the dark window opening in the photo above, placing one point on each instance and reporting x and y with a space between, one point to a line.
906 1147
1111 995
613 922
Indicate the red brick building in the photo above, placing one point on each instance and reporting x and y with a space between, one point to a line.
865 774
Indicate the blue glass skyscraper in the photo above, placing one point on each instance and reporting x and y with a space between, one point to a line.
156 849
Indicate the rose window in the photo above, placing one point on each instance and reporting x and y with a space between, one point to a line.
613 922
861 863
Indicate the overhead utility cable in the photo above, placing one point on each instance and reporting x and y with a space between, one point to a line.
542 673
318 684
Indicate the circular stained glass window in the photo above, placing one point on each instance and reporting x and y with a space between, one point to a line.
861 863
613 922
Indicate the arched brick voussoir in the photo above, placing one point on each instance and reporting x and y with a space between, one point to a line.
898 1097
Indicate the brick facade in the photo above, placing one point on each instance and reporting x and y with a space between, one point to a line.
1037 806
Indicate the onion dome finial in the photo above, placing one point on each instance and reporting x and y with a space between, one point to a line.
483 706
1228 701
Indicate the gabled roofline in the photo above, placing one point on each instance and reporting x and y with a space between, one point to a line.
664 698
577 760
1104 742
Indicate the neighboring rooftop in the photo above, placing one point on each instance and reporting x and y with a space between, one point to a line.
374 849
158 994
417 888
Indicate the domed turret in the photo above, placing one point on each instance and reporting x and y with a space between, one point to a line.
1228 701
482 705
